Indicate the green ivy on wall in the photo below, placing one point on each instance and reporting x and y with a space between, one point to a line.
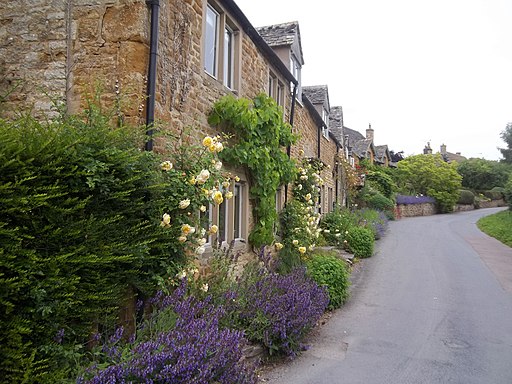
259 137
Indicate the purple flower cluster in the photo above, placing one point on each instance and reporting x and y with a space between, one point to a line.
419 199
277 310
197 350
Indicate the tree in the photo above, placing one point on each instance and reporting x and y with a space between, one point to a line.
430 175
481 174
506 135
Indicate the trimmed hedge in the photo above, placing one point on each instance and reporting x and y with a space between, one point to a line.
466 197
79 225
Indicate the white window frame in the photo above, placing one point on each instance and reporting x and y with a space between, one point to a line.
225 51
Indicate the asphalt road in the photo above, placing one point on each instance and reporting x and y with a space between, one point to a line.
433 305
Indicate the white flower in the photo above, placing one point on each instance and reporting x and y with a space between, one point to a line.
279 246
166 166
204 287
302 250
304 177
228 195
200 250
218 147
202 208
166 220
201 241
308 196
186 229
181 275
184 203
295 242
218 165
182 239
299 187
203 176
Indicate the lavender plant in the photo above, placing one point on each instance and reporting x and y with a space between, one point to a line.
194 350
278 310
418 199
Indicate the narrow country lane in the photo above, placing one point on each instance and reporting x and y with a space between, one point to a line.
434 305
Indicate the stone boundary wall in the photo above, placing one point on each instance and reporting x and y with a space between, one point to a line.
492 203
411 210
463 207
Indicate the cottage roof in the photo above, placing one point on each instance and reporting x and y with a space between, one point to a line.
336 122
317 94
362 147
283 34
353 136
381 152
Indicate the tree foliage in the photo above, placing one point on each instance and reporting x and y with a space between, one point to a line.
506 135
481 174
430 175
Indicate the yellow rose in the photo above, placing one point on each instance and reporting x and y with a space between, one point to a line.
228 195
217 197
182 239
237 179
192 180
207 141
302 250
187 229
279 246
202 208
184 203
214 229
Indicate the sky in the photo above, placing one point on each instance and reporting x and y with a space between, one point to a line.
437 71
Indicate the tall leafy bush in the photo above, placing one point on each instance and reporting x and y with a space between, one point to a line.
80 206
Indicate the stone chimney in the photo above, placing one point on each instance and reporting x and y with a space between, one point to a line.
427 150
369 133
443 149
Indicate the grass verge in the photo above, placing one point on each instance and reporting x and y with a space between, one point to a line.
498 226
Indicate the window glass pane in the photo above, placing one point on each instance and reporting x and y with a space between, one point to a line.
222 221
228 58
210 43
206 219
238 211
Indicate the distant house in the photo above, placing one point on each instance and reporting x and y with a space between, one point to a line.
382 156
450 157
447 156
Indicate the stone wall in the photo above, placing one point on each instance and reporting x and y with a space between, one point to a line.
463 207
492 203
75 50
411 210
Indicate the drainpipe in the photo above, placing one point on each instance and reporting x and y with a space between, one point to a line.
288 149
151 91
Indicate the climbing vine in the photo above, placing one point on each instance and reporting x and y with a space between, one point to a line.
259 136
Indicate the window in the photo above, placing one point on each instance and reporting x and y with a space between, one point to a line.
220 46
211 41
295 70
238 212
228 57
325 128
276 89
222 220
330 201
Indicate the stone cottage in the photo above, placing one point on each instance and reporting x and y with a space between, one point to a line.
169 61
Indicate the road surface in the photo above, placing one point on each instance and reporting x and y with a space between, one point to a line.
433 305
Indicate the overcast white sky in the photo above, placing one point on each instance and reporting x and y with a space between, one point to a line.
418 71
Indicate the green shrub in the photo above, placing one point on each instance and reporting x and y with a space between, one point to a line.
381 203
493 195
360 241
381 182
335 223
329 271
466 197
508 192
81 227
